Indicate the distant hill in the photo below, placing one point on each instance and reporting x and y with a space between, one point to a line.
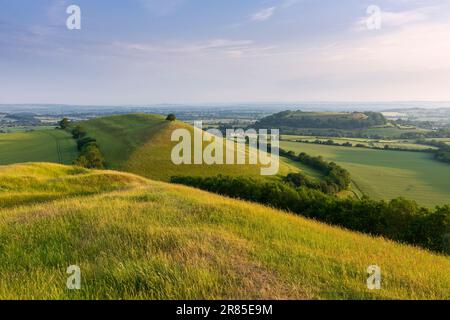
139 239
322 120
141 144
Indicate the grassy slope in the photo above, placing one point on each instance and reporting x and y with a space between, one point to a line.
135 238
141 144
42 145
388 174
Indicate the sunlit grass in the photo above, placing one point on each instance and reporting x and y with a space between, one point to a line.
140 239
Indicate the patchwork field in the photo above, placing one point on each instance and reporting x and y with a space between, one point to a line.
141 144
392 132
382 174
370 143
385 132
139 239
37 146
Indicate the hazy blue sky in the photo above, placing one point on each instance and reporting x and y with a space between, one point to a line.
187 51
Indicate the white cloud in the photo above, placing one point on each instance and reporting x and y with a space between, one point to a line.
263 14
224 45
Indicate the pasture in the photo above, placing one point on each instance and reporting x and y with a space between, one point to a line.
383 174
369 143
37 146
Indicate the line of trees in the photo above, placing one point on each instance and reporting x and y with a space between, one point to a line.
443 152
335 179
399 219
89 155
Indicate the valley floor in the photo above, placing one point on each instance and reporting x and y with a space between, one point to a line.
385 174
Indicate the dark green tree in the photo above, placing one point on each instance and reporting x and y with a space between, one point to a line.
78 132
171 117
64 123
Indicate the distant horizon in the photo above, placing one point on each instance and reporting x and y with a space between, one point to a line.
231 102
223 104
307 106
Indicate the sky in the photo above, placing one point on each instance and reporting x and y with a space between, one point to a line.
140 52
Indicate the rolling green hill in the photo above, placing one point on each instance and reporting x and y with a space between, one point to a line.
139 239
320 120
42 145
383 174
339 124
141 144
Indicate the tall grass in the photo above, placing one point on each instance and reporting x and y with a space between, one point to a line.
151 240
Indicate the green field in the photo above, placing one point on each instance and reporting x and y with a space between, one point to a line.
382 174
141 144
25 129
139 239
37 146
385 132
391 132
369 143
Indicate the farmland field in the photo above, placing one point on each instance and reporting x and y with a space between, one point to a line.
370 143
41 145
386 132
382 174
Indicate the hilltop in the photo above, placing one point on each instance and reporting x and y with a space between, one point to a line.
140 239
323 120
341 124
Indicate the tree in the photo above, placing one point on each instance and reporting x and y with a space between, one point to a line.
64 123
78 132
171 117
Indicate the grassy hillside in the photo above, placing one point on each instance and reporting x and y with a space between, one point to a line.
338 124
141 144
134 238
383 174
43 145
35 183
322 120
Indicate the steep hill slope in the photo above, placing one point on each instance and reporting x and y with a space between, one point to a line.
141 144
135 238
